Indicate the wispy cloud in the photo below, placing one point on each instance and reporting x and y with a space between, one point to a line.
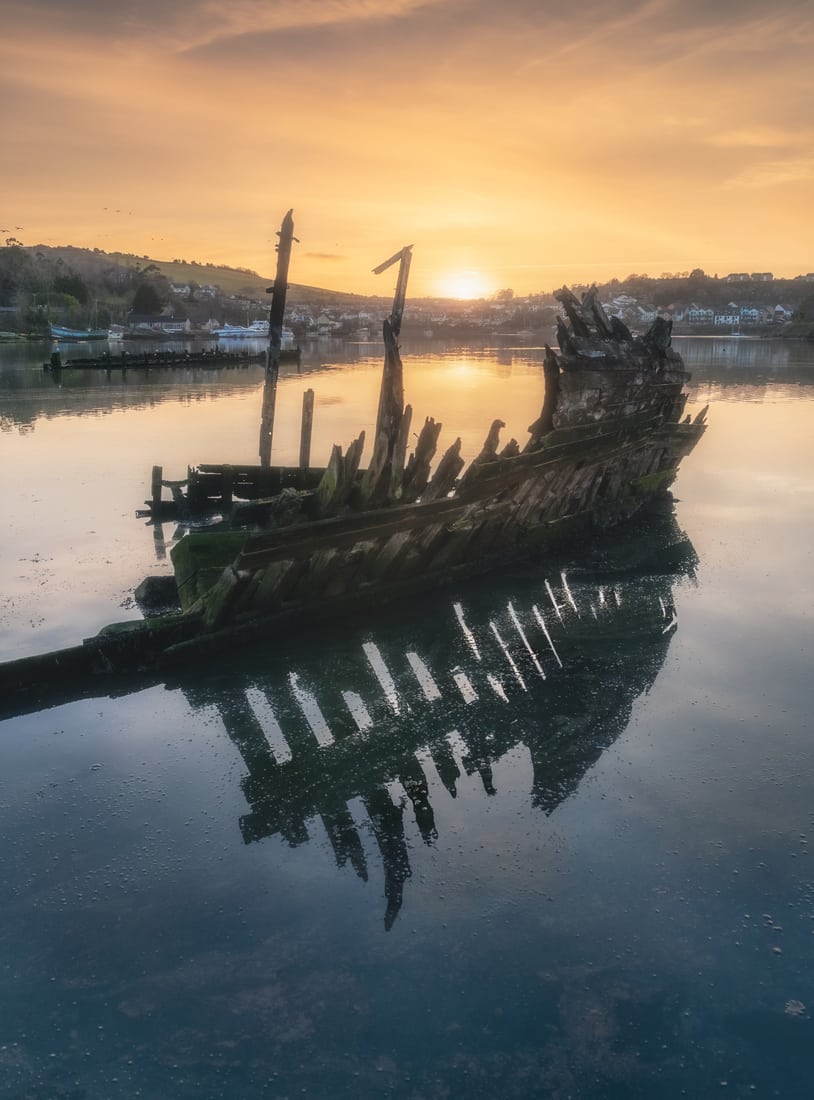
530 133
761 137
773 174
218 22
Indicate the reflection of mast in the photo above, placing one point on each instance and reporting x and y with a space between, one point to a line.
276 317
345 839
387 821
412 778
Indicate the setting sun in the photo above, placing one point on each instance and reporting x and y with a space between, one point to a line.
464 284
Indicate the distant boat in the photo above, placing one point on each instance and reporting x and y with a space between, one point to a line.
75 334
256 330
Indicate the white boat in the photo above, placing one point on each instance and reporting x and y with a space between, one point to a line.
256 328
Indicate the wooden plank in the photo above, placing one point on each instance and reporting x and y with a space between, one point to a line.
417 472
371 490
155 489
399 454
306 428
342 531
335 487
276 316
446 473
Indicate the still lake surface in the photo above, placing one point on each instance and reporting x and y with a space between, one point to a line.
412 855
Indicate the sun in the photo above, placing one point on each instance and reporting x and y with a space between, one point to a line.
464 284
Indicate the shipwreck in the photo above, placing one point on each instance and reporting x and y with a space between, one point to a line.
295 544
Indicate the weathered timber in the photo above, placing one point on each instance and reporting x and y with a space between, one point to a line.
417 470
489 450
306 428
446 473
258 485
376 476
545 422
338 480
399 455
276 317
155 495
391 394
384 475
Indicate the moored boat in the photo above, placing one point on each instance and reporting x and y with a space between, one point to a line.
255 329
58 332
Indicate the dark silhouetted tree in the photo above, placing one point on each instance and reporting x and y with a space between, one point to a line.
146 300
70 283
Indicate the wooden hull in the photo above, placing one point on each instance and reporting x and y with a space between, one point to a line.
582 479
608 440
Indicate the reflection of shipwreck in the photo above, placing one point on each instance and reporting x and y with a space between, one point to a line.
348 735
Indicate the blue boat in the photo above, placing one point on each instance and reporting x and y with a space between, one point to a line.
75 335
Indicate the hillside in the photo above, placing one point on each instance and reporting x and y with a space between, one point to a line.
94 266
80 287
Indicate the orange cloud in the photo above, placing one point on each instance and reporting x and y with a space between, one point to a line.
532 144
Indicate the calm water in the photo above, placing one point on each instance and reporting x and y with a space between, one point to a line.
546 835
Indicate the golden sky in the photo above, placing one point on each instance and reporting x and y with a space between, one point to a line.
520 143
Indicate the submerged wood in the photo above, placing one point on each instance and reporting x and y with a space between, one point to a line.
307 544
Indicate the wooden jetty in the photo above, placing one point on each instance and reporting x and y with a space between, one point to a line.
300 544
149 360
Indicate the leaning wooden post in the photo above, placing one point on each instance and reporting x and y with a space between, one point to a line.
307 426
155 490
391 395
380 474
276 315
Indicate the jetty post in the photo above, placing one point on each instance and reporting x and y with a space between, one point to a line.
307 426
276 316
